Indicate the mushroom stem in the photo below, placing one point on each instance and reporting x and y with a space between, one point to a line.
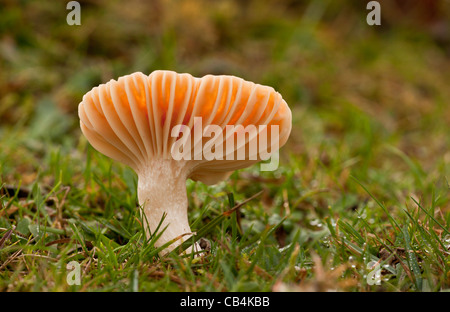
162 190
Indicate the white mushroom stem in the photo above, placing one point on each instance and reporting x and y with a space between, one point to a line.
162 190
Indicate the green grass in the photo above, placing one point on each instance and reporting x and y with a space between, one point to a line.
364 177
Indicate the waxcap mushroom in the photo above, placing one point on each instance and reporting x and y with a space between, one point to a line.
144 121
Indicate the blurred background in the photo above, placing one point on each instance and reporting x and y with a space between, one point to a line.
354 88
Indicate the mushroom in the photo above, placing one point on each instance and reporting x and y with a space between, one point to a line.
146 122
